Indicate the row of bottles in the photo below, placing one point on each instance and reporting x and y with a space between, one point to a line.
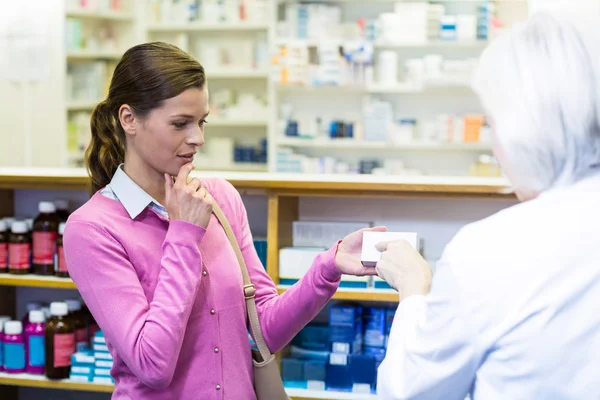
44 341
35 245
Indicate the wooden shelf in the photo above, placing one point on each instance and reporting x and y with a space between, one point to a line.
380 295
99 15
287 184
26 380
36 281
477 44
351 144
305 394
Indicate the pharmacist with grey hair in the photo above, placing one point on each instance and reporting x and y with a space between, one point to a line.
511 311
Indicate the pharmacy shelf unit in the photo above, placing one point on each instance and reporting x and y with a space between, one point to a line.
207 27
283 192
316 103
25 380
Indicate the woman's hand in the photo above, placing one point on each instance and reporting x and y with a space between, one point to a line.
347 257
188 202
403 268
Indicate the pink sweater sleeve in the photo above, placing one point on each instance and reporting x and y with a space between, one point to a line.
282 316
147 336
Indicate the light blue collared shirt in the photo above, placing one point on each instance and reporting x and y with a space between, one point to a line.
135 200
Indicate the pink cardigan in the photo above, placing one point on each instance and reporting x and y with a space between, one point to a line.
168 296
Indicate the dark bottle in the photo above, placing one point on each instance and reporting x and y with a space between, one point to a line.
19 249
61 265
62 209
3 247
81 329
60 342
45 233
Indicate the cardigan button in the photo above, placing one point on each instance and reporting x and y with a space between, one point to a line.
216 349
218 387
212 312
204 273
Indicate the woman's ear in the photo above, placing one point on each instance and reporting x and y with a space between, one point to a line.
127 119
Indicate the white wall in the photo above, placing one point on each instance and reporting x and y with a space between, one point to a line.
42 103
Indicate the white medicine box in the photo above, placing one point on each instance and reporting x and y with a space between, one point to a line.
370 255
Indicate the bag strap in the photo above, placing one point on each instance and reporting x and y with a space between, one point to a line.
249 288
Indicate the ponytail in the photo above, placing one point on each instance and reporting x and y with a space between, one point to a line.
106 150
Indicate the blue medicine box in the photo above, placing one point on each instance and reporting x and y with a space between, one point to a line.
374 321
292 373
315 370
389 320
313 337
377 352
363 370
345 329
338 373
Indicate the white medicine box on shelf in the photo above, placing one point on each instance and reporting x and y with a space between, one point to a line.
295 262
323 234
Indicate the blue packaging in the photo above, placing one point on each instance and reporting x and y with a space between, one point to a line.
374 321
376 352
363 370
82 370
315 370
83 358
101 372
260 245
292 373
81 377
338 373
103 364
389 320
292 129
14 356
313 337
345 329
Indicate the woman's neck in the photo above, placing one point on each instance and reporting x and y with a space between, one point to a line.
146 177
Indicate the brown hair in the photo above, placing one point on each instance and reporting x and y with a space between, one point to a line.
147 75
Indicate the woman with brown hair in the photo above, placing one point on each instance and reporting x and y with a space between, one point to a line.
151 260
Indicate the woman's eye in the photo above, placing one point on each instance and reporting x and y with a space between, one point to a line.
202 123
179 125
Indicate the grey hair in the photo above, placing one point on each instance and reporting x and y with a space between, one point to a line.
540 85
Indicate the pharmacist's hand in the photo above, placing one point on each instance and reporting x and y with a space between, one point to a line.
403 268
188 202
347 257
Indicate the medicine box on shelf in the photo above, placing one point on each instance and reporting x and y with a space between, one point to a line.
323 234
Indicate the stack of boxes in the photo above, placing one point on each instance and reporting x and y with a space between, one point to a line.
103 360
82 366
342 356
93 365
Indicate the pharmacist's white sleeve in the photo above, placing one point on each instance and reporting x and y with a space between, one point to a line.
432 353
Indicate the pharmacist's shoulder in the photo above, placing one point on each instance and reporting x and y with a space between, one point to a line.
486 256
499 232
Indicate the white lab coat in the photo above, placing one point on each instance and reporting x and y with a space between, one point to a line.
513 312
